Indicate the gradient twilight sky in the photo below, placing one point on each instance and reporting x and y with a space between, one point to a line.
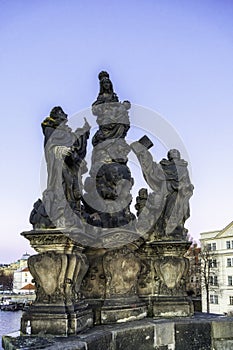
173 57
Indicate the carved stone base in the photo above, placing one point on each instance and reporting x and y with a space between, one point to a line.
56 324
122 314
172 308
95 305
162 280
58 271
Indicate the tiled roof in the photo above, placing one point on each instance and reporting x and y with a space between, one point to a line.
25 269
28 286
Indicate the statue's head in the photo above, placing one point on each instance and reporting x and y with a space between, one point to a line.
173 154
57 113
105 83
143 193
103 74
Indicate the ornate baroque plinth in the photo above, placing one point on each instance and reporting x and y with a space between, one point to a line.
58 271
162 281
112 279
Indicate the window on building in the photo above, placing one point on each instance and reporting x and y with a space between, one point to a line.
211 246
229 280
228 244
213 263
229 262
213 280
213 299
231 300
232 244
25 280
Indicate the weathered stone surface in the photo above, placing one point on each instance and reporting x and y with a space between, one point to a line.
223 344
12 342
42 342
122 268
141 338
58 271
99 340
172 308
65 344
93 284
193 336
222 329
56 324
162 277
122 314
177 334
164 333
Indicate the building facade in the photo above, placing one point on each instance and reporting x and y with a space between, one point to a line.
23 280
217 247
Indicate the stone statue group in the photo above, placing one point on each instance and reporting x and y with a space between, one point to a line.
104 199
98 262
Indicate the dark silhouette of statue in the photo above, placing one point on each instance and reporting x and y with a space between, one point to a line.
107 195
65 151
106 93
105 198
179 190
38 217
112 115
167 207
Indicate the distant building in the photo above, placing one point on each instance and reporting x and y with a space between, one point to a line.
10 268
22 280
220 244
23 262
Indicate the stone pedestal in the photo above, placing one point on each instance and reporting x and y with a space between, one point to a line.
58 271
122 267
93 284
111 282
162 281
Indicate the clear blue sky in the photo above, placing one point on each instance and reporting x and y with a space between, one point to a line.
173 57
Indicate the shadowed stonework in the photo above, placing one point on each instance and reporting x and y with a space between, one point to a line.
195 333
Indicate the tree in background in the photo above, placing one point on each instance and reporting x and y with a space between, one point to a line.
6 280
209 276
193 284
